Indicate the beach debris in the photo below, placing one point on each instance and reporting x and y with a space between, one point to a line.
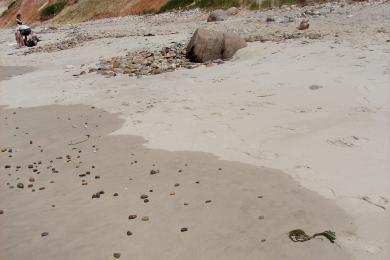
298 235
207 45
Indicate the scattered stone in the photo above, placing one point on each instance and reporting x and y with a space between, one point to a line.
41 188
129 233
146 200
44 234
315 87
1 212
144 196
270 19
152 172
177 184
97 177
132 216
20 185
145 218
184 229
207 201
116 194
7 166
261 217
304 25
117 255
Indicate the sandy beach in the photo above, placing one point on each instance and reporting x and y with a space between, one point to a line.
219 161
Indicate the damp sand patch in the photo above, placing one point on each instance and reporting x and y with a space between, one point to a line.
6 72
70 190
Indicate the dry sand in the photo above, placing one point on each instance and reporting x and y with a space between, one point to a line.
316 109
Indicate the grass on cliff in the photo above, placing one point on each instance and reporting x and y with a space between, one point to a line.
52 10
205 4
224 4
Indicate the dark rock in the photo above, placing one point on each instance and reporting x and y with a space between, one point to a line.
184 229
129 233
20 185
152 172
7 166
44 234
132 216
117 255
144 196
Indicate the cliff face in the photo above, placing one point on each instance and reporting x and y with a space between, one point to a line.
74 10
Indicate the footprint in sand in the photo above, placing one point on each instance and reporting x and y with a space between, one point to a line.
349 141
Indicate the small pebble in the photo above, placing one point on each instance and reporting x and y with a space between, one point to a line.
115 194
132 216
44 234
207 201
129 233
261 217
20 185
145 218
146 200
184 229
152 172
177 184
117 255
144 196
1 212
31 179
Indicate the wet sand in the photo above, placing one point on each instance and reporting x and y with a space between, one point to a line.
7 72
54 161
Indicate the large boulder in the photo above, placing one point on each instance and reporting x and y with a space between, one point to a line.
207 45
217 15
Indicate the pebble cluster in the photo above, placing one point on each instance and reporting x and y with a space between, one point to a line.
146 62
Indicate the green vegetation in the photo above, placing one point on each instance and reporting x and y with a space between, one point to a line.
266 4
254 6
175 4
53 10
215 4
205 4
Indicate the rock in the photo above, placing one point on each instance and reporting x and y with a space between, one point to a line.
1 212
232 11
152 172
207 45
44 234
304 25
132 216
7 166
115 194
270 19
129 233
117 255
184 229
207 201
146 218
20 185
216 16
144 196
31 179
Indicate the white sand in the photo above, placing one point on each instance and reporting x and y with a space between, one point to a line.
257 109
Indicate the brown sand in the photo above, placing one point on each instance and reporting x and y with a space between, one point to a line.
250 213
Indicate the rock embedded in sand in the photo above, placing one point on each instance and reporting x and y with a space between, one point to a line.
129 233
116 255
1 212
145 218
206 45
7 166
208 201
31 179
184 229
152 172
132 216
116 194
44 234
20 185
144 196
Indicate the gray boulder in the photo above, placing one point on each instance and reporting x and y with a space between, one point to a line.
207 45
217 15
